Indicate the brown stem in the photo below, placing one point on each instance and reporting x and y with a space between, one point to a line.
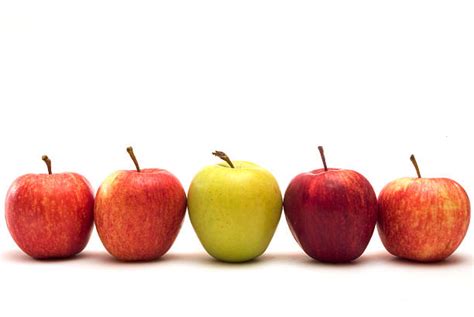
321 151
413 160
46 159
224 157
134 159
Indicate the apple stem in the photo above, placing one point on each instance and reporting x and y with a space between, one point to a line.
224 157
134 158
46 159
323 158
413 160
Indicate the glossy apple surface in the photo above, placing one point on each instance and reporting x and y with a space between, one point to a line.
50 215
423 219
332 213
139 213
234 211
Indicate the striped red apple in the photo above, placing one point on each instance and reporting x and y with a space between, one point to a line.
423 219
50 215
138 213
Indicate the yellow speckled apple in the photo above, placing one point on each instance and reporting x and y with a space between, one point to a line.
234 208
423 219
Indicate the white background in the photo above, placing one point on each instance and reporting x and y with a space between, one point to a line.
265 81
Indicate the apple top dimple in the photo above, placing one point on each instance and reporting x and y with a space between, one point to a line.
322 171
238 165
148 171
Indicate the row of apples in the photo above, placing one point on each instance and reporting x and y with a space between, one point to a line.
235 207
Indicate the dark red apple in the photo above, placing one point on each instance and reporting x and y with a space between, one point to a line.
423 219
50 215
139 213
331 213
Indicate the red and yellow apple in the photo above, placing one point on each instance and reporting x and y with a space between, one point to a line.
331 213
423 219
50 215
139 213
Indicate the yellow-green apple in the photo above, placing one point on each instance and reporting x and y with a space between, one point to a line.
331 213
50 215
138 213
423 219
234 208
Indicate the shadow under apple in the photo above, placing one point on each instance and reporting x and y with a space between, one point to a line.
453 260
20 257
203 259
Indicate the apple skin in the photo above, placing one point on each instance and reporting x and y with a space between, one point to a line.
138 215
423 219
332 214
234 211
50 216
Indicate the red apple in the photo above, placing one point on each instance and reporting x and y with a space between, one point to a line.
423 219
139 213
50 215
331 213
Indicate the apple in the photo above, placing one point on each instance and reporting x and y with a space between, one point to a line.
331 213
423 219
234 208
139 213
50 215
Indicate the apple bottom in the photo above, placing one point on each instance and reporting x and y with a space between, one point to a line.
62 241
140 237
332 246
